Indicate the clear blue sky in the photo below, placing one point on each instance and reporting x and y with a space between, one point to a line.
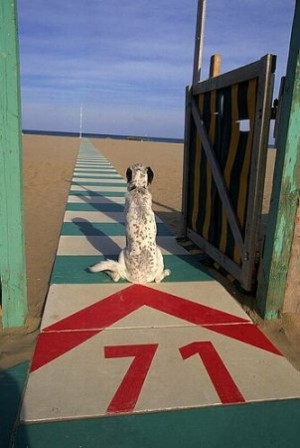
128 61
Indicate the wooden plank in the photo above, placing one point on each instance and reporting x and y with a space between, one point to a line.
292 294
238 75
12 247
186 157
218 178
215 65
286 187
227 263
258 166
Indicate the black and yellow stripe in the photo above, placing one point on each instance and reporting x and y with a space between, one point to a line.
221 111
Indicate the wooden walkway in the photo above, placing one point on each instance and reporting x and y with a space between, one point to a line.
173 364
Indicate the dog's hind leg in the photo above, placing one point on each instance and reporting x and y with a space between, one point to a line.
161 272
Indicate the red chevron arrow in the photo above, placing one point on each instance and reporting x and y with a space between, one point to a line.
68 333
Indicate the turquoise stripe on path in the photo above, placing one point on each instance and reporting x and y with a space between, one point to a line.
11 390
92 176
98 171
269 424
106 194
95 166
74 269
79 207
81 227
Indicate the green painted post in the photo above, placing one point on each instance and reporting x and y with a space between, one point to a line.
286 188
12 247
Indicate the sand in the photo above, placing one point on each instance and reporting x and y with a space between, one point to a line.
48 168
166 161
48 165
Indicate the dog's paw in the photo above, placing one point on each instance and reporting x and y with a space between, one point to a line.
98 267
93 268
115 276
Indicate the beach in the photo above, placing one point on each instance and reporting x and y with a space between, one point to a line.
48 163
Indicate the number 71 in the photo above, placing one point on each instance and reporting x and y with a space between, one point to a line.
130 388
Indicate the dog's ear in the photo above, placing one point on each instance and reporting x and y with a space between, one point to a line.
128 174
150 175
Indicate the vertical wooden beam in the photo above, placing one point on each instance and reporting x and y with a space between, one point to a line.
292 293
186 158
12 247
199 40
215 65
286 188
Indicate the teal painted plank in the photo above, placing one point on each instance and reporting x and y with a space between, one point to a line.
74 269
12 245
82 207
262 425
12 383
104 194
286 188
103 229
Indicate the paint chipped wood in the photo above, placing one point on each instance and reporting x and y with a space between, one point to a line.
286 188
12 247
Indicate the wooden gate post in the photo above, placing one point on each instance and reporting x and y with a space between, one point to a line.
12 247
286 188
215 65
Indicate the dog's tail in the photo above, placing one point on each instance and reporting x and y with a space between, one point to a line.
107 265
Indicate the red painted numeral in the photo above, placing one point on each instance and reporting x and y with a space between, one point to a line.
219 375
129 390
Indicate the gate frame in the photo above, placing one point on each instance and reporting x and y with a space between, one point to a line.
250 247
12 240
276 261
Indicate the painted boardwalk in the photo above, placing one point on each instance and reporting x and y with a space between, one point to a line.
171 364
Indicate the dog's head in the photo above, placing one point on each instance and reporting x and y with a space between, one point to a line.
139 175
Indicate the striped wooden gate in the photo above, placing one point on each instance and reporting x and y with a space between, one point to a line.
226 139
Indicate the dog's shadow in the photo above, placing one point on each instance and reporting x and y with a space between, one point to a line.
106 246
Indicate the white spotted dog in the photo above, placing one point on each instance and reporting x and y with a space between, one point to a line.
141 261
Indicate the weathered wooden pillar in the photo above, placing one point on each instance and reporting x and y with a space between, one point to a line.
215 65
286 188
12 247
